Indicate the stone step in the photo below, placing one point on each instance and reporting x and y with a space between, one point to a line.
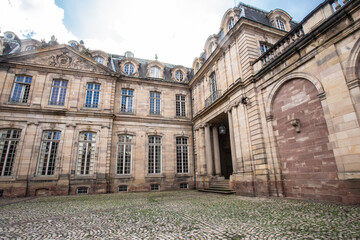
216 191
220 188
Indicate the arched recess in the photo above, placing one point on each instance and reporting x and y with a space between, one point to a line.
352 73
288 77
307 164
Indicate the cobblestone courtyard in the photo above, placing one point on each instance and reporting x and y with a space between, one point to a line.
174 215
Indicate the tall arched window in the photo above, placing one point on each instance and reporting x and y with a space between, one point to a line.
86 153
48 151
124 154
214 92
9 139
154 155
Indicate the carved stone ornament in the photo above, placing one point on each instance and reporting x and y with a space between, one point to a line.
61 60
296 124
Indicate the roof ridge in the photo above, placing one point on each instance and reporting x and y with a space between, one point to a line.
252 7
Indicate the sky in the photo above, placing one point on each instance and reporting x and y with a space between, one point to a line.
175 30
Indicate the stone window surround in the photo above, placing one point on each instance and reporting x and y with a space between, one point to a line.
77 132
163 151
14 145
22 72
229 14
102 54
36 154
189 137
132 153
19 126
211 40
132 61
56 154
82 98
155 90
180 101
158 64
48 89
183 70
127 97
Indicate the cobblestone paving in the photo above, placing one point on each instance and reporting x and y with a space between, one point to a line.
175 215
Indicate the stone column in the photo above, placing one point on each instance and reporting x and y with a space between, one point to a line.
216 151
232 141
202 151
209 161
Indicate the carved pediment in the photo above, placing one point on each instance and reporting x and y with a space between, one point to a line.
58 58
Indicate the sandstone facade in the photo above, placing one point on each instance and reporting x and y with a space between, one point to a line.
270 104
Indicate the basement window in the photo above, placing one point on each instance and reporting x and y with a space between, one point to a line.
82 190
1 193
123 188
155 187
184 186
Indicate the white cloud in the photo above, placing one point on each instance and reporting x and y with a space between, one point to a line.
175 30
42 17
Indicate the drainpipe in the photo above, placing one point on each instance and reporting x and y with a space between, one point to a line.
193 139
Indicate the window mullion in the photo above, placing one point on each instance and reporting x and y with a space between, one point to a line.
48 157
6 157
86 157
124 158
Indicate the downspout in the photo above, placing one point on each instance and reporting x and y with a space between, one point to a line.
193 139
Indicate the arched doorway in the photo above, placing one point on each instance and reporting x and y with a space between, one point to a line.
306 161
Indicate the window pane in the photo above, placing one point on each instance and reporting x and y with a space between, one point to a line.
8 143
86 153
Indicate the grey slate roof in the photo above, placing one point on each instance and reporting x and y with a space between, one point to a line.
143 68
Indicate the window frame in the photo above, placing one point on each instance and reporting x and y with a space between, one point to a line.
82 188
155 187
231 23
280 24
12 141
179 75
126 96
123 145
99 59
155 103
155 74
185 167
88 161
129 68
93 103
24 97
59 93
52 141
180 105
152 153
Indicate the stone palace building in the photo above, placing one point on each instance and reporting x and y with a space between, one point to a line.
271 107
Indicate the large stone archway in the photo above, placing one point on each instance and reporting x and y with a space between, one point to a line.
306 159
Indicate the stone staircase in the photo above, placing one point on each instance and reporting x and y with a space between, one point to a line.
219 187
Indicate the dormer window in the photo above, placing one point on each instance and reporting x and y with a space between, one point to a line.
211 48
99 59
129 54
231 23
129 69
155 72
29 48
179 75
280 24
